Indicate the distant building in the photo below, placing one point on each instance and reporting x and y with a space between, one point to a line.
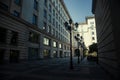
87 31
33 29
107 16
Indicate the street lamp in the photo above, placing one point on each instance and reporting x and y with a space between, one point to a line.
69 28
77 51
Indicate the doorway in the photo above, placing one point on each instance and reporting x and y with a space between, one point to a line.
2 51
14 56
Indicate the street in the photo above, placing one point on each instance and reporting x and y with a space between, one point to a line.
52 69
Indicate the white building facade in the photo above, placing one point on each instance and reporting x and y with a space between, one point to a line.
87 31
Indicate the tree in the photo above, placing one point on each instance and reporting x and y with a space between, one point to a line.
93 48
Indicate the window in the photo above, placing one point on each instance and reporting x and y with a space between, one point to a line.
52 31
55 54
46 41
44 25
56 24
46 53
14 38
45 3
53 12
93 38
56 34
35 19
92 33
53 21
45 14
91 22
56 16
3 6
60 46
15 13
33 53
65 47
35 5
14 56
3 32
54 44
49 28
18 2
49 18
33 37
50 8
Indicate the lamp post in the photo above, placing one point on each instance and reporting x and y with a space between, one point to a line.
78 42
78 50
69 28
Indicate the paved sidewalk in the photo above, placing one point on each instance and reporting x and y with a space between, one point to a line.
53 69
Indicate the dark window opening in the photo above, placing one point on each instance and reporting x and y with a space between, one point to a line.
18 2
35 5
3 6
3 32
33 37
14 38
14 56
15 13
34 19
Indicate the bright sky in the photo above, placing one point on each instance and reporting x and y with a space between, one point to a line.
79 9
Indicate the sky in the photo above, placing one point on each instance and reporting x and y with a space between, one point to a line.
79 9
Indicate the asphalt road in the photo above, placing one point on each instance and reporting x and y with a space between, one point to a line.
53 69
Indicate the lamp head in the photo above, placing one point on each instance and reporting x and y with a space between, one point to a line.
66 24
76 25
70 21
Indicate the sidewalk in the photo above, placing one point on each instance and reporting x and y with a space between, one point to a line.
54 69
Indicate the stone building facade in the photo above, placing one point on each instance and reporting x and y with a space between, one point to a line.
107 15
33 29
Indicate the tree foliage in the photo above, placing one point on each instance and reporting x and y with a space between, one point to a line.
93 48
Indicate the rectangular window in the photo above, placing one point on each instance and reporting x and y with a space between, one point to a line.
14 38
60 46
34 37
44 25
3 6
54 44
52 31
91 22
93 38
53 21
14 56
46 53
46 41
34 19
17 14
50 8
35 5
56 16
53 12
45 14
56 34
49 29
3 32
33 53
49 18
56 24
92 33
18 2
55 54
45 3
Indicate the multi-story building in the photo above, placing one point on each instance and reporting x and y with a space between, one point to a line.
107 16
87 31
33 29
